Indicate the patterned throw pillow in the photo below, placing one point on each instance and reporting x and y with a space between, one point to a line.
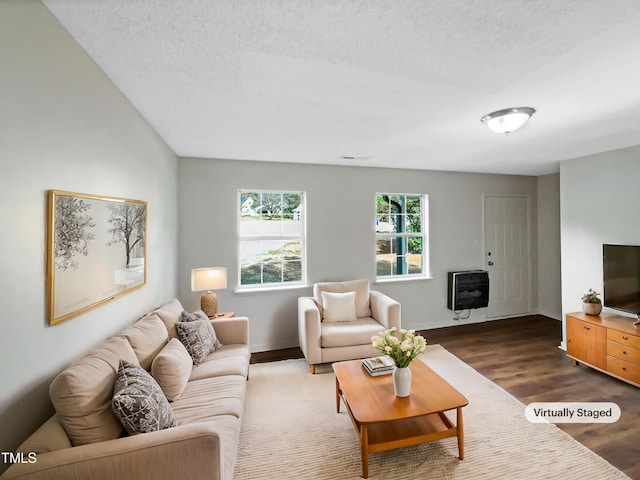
138 401
199 339
192 317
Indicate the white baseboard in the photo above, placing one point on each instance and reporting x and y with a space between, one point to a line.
550 314
268 347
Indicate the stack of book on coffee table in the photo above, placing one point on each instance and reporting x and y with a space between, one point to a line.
378 365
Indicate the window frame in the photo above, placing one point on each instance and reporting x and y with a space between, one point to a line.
423 234
302 237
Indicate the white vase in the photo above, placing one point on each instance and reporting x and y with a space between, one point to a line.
402 381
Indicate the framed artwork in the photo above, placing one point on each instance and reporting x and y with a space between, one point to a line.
95 251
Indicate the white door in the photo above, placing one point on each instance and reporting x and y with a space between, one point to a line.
506 248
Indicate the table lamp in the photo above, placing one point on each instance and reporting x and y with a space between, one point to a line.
209 279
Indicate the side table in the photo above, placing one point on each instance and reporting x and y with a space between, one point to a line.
223 315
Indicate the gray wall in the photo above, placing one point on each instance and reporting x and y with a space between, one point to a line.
549 276
599 204
341 235
64 125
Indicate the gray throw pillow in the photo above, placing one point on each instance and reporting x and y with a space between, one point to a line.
192 317
138 401
199 338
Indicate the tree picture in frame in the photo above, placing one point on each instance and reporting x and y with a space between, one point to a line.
96 251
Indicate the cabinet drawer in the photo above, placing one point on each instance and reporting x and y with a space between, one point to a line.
623 338
623 369
623 352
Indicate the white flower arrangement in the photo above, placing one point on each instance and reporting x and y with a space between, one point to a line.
402 346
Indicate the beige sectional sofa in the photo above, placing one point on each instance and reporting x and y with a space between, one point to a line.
85 440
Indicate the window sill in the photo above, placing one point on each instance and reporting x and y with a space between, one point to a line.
402 279
269 289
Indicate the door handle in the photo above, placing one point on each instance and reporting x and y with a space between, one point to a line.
490 264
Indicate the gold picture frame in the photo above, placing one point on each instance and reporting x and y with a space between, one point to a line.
96 251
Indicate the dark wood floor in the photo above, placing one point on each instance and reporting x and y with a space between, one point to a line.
522 356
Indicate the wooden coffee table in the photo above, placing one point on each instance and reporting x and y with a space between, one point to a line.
384 421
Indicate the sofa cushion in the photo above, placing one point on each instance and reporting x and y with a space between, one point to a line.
339 307
226 360
204 399
171 368
170 314
361 287
138 401
82 393
346 334
198 338
147 337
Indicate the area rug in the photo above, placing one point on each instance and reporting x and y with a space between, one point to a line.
290 430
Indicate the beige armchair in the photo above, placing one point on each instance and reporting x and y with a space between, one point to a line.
337 323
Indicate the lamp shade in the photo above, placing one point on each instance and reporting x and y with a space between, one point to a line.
210 278
507 120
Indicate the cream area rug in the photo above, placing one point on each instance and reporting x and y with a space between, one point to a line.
290 430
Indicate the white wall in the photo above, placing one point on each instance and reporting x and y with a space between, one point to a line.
341 235
64 125
599 202
549 275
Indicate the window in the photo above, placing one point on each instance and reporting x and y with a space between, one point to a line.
271 237
401 238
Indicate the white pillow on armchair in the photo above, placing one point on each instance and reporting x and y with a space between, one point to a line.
339 307
361 287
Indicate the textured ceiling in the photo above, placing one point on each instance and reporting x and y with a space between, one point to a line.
396 83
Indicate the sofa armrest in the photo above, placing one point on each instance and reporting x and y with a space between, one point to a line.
49 437
232 331
194 451
309 329
384 309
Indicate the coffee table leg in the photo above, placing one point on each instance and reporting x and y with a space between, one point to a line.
460 428
337 396
364 450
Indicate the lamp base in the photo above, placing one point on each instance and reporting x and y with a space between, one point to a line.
209 304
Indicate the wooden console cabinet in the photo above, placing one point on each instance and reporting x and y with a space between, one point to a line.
609 343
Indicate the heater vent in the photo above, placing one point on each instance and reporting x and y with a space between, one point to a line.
467 290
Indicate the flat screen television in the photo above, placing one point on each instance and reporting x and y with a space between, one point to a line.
621 275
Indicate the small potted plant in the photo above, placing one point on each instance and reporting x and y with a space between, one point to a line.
591 304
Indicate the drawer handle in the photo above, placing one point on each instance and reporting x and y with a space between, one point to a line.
624 368
624 353
625 338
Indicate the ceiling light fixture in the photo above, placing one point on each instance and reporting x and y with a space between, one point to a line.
507 120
